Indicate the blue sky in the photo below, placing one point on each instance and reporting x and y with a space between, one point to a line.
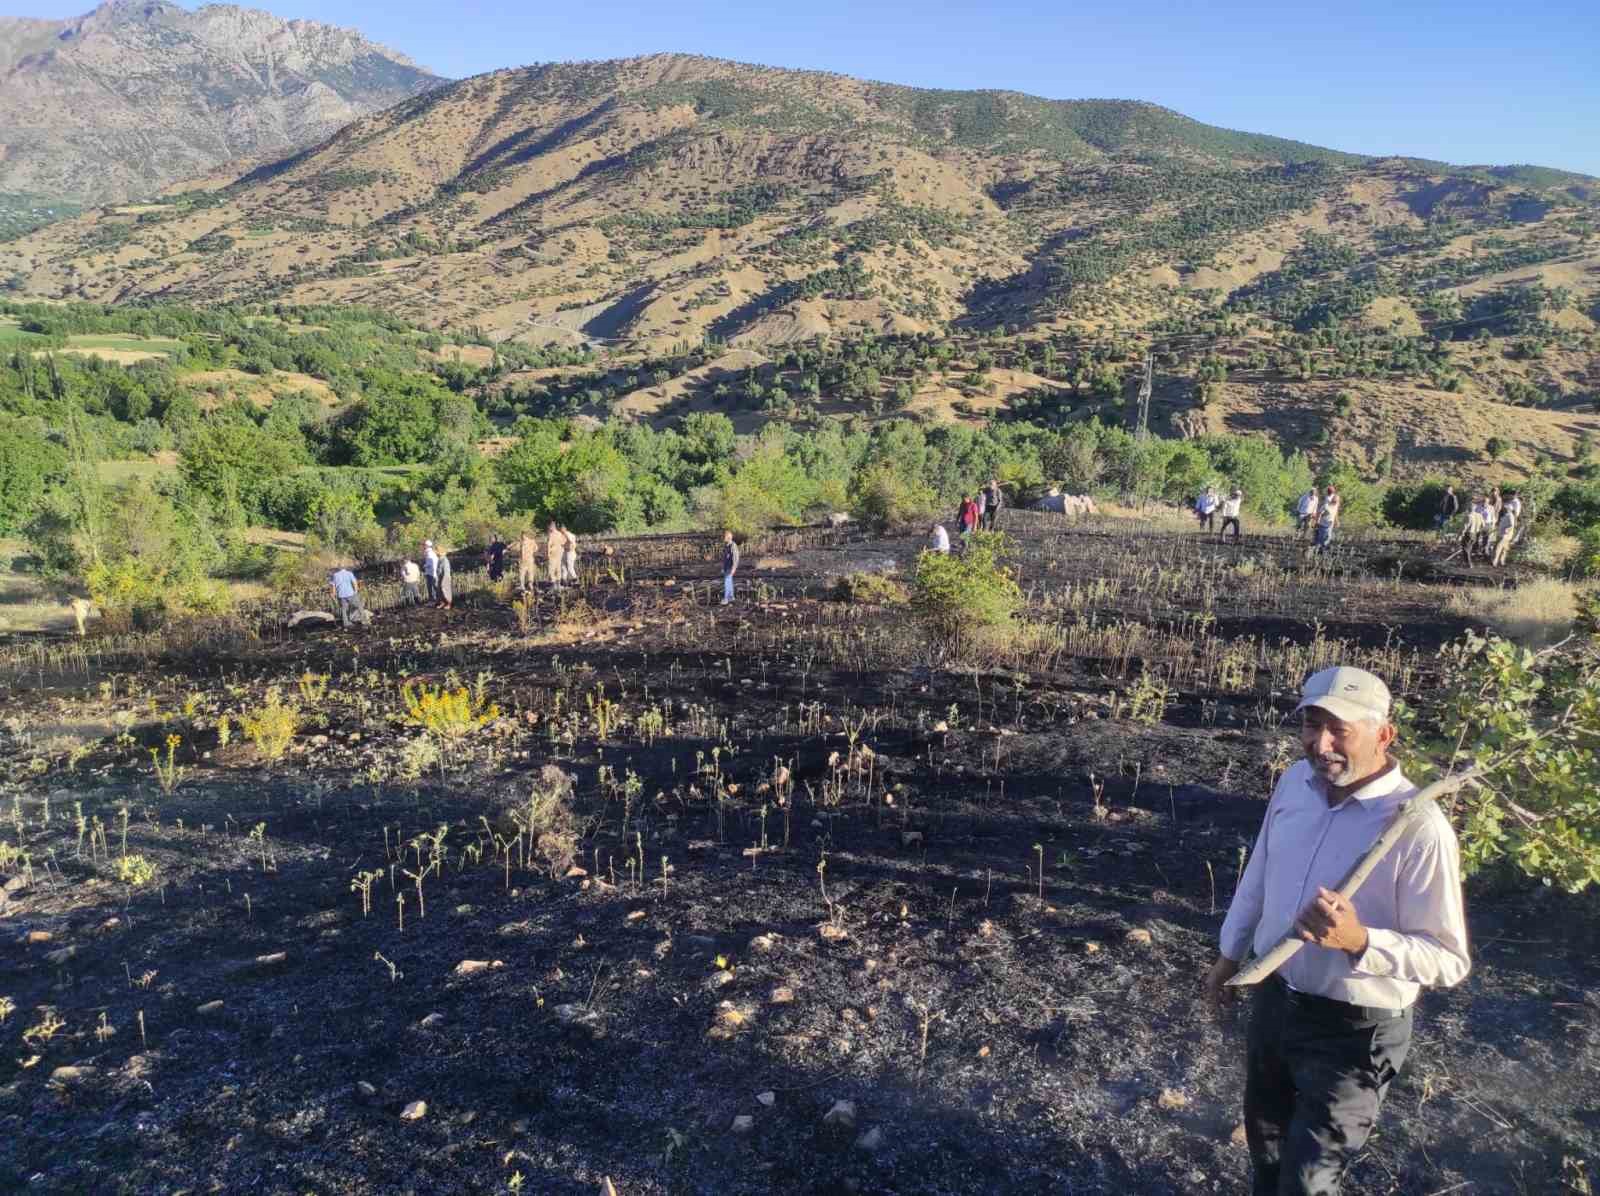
1473 81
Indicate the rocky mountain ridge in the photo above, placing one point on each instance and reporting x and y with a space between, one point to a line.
136 94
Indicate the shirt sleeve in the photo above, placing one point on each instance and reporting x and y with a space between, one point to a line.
1429 946
1239 927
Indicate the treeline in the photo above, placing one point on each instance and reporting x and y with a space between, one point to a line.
400 459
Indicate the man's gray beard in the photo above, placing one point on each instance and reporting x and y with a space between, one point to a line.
1322 768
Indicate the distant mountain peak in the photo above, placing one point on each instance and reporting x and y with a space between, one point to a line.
137 94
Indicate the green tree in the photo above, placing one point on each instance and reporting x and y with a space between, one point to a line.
29 466
230 463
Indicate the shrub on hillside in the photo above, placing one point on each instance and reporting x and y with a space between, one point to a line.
970 597
885 499
1414 505
1586 560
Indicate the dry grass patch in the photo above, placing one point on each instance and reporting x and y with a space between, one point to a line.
1536 613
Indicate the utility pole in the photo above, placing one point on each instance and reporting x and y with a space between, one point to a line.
1143 432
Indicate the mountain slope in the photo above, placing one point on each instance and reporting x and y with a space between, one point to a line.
139 93
651 202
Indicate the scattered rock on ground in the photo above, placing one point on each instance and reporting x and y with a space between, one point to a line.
415 1111
767 1099
1140 937
870 1140
743 1123
843 1113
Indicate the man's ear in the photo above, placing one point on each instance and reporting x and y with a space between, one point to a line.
1386 735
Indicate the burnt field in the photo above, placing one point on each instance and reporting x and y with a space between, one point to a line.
761 899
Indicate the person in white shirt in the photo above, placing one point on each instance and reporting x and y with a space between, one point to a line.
1504 532
1205 508
938 539
1230 512
430 569
1306 510
410 579
1330 1030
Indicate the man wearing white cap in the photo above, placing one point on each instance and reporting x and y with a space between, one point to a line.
1330 1030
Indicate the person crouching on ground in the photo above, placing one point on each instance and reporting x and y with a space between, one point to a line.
347 592
730 566
444 583
410 583
1331 1029
938 539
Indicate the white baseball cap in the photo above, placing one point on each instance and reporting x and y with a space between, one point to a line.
1346 693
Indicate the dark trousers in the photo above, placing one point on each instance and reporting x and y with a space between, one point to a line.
1315 1076
1208 520
433 587
1227 519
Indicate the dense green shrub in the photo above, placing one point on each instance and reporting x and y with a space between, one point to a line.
970 597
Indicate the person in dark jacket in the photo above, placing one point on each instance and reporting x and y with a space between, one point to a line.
1448 506
494 559
996 503
730 566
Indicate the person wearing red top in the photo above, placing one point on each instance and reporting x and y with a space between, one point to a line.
968 518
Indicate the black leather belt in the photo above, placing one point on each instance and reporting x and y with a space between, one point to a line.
1328 1007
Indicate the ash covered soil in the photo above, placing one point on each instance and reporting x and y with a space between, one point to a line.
956 949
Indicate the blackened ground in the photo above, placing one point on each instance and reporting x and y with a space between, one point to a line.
997 964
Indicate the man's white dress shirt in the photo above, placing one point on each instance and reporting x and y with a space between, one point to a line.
1410 905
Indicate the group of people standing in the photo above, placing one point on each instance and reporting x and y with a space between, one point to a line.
1316 512
979 511
1209 505
1490 527
435 571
